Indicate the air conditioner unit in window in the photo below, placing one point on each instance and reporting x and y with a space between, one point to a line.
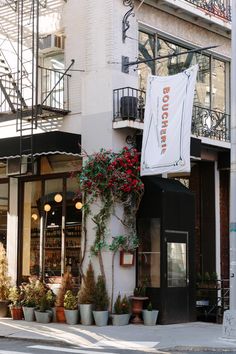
51 43
17 166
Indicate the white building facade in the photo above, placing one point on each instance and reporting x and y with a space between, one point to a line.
89 97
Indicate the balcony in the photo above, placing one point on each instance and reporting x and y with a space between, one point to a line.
219 8
204 13
16 96
128 112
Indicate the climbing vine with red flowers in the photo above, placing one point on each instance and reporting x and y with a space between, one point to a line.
111 178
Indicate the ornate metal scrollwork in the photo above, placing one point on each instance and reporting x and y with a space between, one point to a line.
220 8
125 21
210 123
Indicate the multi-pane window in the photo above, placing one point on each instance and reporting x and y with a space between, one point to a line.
211 80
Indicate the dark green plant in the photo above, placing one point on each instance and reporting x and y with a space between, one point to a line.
149 306
198 278
140 291
124 242
43 304
70 301
206 277
101 300
51 298
121 305
87 291
117 305
214 277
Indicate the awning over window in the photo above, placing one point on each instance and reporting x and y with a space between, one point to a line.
43 144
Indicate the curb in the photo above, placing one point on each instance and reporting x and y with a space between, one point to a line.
190 349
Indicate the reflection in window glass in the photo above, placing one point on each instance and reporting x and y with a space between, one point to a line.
149 252
176 264
218 85
211 84
146 51
31 221
3 212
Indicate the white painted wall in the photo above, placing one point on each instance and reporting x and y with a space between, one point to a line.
93 31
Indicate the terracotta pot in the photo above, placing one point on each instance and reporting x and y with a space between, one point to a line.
137 307
16 313
60 314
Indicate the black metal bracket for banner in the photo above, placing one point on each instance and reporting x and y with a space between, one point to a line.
125 63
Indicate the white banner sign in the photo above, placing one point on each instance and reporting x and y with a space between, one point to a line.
167 123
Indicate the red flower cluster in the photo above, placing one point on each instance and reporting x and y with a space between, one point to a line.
117 174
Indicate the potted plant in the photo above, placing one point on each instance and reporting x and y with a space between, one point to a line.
15 297
150 315
5 282
29 300
121 314
101 302
43 313
71 308
66 284
137 301
86 297
51 298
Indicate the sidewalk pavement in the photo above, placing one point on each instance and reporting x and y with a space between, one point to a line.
188 336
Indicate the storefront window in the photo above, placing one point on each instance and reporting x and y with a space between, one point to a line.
51 228
211 83
31 228
149 252
3 212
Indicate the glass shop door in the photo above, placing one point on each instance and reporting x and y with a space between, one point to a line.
176 276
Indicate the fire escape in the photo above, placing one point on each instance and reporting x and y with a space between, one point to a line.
21 77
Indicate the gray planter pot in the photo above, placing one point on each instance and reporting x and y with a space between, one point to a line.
150 317
43 317
101 318
4 308
86 314
29 314
72 316
120 320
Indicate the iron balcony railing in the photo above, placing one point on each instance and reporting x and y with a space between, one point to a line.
210 123
219 8
129 104
53 91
